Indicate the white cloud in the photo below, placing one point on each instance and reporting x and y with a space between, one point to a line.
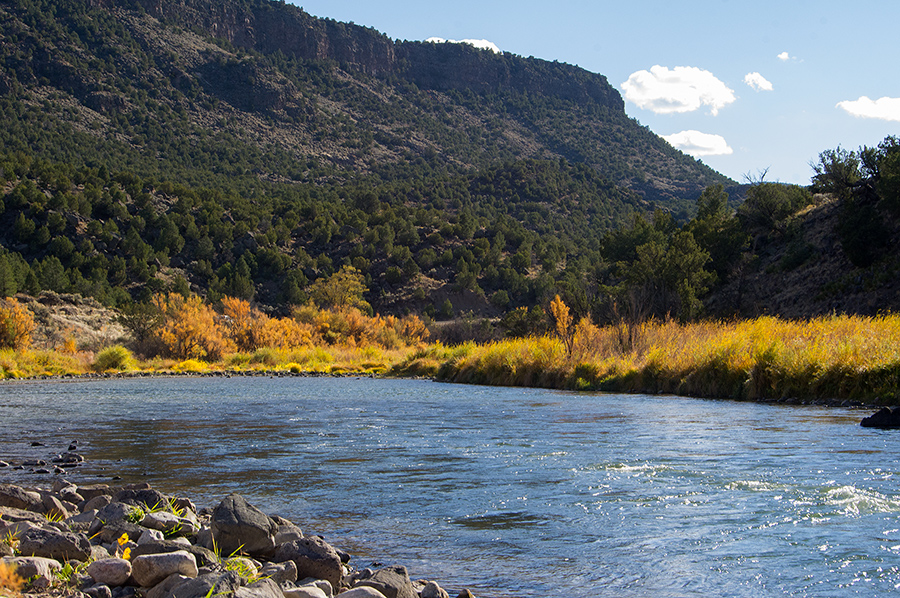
757 82
784 56
699 144
882 108
478 43
682 89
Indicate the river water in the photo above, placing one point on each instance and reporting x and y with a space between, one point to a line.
509 492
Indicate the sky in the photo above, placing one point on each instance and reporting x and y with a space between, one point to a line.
746 87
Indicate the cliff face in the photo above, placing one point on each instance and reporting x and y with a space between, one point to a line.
270 27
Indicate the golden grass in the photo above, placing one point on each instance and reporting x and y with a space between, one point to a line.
837 357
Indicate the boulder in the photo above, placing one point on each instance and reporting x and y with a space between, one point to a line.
362 592
28 567
203 556
212 584
264 588
150 569
287 531
310 591
433 590
55 544
393 582
169 523
239 526
314 558
883 418
111 572
111 532
94 490
163 588
8 514
96 503
150 535
99 590
19 498
280 572
145 498
53 507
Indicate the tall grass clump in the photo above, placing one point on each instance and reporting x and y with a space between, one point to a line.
767 358
114 358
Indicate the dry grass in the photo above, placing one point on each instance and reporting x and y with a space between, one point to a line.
839 357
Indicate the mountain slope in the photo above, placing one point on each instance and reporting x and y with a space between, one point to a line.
246 147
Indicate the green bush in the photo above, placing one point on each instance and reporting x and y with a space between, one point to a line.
114 358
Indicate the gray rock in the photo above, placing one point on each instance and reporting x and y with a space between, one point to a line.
53 507
145 498
224 584
18 528
111 532
287 531
70 494
54 544
465 594
96 503
98 553
82 521
28 567
264 588
111 572
19 498
362 592
393 582
357 576
115 512
15 514
433 590
94 490
148 570
151 535
98 591
170 523
239 526
203 556
163 588
6 550
314 558
280 572
310 591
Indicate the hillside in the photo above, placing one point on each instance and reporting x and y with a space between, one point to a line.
247 148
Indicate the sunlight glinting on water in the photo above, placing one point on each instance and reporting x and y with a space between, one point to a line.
510 492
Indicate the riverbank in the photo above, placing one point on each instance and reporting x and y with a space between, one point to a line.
99 541
837 360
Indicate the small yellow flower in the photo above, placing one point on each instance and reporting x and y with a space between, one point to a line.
122 539
126 554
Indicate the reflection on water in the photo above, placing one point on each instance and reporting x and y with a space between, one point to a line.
510 492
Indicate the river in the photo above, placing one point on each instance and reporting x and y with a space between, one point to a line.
510 492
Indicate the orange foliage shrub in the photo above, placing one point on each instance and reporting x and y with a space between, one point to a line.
285 333
190 330
250 329
351 327
9 580
562 322
16 325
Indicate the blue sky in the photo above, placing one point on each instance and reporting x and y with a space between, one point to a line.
744 86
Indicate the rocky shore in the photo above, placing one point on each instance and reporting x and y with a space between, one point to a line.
99 541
